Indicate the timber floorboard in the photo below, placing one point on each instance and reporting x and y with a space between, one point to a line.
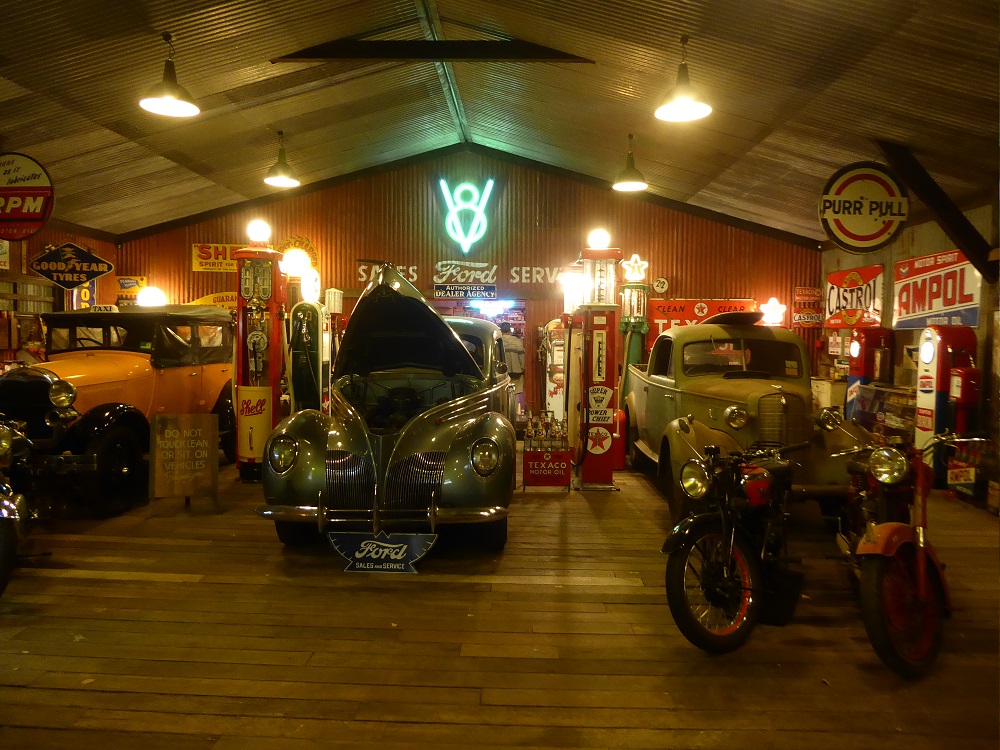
174 627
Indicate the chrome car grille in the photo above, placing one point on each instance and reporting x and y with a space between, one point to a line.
350 481
783 419
412 482
27 400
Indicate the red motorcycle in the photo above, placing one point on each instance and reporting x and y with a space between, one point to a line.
904 593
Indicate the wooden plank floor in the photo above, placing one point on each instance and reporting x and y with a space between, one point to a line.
174 628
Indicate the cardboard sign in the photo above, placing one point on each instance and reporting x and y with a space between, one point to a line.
854 298
184 455
939 289
383 553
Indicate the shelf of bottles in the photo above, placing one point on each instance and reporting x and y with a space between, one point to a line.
546 458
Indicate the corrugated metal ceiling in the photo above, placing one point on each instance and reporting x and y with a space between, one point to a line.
799 89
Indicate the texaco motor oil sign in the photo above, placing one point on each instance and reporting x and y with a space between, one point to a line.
854 298
863 207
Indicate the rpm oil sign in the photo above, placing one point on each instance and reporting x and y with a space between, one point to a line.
863 207
26 196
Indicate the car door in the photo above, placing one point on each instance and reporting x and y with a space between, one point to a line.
661 399
215 353
177 382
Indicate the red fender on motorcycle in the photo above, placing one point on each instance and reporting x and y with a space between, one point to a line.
885 539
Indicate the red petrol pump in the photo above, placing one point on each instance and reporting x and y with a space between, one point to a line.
940 350
593 348
259 363
870 361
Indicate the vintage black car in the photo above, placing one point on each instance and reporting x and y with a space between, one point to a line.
420 432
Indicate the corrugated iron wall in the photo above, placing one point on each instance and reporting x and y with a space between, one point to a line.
539 222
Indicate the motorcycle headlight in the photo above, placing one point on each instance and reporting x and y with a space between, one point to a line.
694 479
62 393
485 456
6 443
282 452
736 416
888 465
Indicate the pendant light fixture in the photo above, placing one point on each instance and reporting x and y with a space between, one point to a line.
630 179
281 175
168 97
683 104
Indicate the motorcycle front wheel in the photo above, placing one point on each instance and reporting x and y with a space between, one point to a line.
714 595
904 631
8 551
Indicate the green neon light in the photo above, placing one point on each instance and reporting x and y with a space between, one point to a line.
466 197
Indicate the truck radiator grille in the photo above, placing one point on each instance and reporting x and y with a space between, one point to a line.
350 481
412 482
783 419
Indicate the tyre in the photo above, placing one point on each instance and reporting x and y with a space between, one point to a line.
637 460
493 535
715 602
905 632
293 534
8 551
120 481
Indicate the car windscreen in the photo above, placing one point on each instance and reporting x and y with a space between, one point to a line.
743 356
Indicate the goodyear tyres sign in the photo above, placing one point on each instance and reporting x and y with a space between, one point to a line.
70 265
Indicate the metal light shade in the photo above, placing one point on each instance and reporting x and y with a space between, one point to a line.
630 179
683 104
281 175
168 97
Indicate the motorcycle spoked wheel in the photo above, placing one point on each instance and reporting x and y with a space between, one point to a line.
8 551
714 603
905 632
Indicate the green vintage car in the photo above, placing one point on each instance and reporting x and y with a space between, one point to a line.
419 435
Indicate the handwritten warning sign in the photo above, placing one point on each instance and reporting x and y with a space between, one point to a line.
184 455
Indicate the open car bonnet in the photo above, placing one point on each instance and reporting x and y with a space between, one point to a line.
392 327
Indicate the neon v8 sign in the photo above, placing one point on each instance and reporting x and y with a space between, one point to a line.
466 221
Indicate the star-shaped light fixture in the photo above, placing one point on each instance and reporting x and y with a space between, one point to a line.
774 312
635 268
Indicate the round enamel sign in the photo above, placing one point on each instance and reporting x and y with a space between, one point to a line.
26 196
863 207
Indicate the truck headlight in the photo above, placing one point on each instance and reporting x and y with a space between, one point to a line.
62 393
485 456
282 452
694 479
736 416
888 465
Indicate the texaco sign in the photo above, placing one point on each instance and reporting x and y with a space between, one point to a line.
863 207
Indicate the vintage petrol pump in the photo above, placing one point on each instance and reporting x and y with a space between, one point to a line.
634 323
941 348
870 361
310 349
259 361
963 399
596 366
552 353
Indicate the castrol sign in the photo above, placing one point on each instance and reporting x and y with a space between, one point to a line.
26 196
854 298
863 207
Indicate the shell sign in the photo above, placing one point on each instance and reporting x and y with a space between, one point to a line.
863 207
854 298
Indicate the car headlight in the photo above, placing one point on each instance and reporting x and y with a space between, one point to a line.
6 443
282 452
736 416
62 393
485 456
888 465
694 479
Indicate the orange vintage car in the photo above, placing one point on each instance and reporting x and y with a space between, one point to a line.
89 407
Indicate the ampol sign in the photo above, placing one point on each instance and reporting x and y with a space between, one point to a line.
940 289
863 207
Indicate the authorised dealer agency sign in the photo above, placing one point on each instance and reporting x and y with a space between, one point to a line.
863 207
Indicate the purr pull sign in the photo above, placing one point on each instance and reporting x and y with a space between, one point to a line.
863 207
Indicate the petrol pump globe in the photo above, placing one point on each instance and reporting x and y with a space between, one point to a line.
259 231
599 277
571 279
296 262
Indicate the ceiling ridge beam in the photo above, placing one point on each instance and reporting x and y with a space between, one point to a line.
433 50
430 22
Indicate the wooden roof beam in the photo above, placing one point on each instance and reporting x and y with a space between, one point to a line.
948 216
424 50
